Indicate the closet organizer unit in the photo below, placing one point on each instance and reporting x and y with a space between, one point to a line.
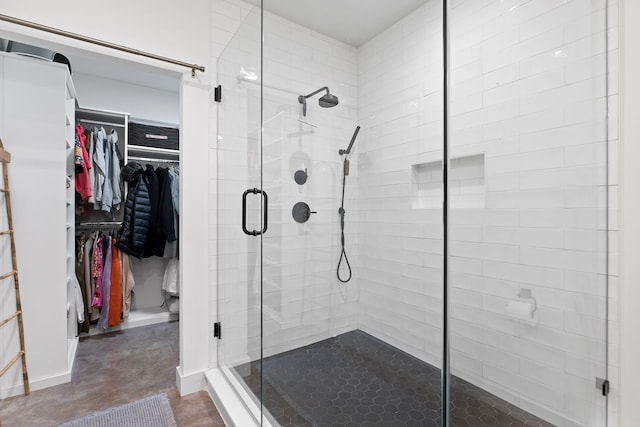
148 305
37 109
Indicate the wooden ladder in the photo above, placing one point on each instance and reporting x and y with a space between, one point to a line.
5 158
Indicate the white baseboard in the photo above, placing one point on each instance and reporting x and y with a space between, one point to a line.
34 385
39 384
190 383
136 319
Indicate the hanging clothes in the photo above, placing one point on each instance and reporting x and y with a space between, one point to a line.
114 171
78 297
100 138
81 242
170 281
107 190
171 248
115 297
90 281
137 212
128 284
98 270
165 221
103 322
171 286
91 147
83 165
151 247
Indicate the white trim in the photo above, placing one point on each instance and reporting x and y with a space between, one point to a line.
189 383
232 407
136 319
629 205
39 384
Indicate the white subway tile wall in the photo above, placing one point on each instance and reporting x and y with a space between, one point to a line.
528 132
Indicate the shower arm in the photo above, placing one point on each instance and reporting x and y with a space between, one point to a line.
302 99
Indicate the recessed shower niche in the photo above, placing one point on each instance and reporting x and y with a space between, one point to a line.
466 183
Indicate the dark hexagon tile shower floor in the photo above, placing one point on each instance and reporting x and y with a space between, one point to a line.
355 379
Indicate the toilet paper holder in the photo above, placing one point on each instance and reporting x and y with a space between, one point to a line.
527 294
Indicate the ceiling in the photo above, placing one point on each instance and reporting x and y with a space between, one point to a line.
351 21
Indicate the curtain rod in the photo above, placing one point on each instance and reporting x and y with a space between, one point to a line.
99 42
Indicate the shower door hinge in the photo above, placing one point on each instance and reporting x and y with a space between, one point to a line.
217 330
603 385
217 94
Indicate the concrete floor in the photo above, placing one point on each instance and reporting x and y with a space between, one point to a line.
111 370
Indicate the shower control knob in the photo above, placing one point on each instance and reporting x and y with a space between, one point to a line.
301 176
301 212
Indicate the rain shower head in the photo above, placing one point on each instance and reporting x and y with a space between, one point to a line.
328 100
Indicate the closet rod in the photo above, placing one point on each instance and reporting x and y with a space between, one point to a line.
149 159
99 42
103 224
92 224
96 122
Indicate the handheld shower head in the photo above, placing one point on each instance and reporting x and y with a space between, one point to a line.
328 100
353 139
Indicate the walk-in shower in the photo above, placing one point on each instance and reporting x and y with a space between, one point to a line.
517 323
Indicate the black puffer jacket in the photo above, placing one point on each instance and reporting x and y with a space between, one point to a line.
137 212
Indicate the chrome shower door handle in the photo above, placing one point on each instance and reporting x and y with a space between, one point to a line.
244 212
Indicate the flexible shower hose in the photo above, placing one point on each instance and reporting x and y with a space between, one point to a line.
341 211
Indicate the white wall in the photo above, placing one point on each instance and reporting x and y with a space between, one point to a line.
142 102
173 29
399 248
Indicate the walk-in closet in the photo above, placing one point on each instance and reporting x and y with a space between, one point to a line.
108 247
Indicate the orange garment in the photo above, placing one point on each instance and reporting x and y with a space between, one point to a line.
115 293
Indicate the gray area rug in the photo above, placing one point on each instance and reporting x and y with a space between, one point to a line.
152 411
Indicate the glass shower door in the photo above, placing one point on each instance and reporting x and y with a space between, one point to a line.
353 341
240 208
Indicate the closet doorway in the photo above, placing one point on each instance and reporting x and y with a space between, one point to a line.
133 111
139 107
